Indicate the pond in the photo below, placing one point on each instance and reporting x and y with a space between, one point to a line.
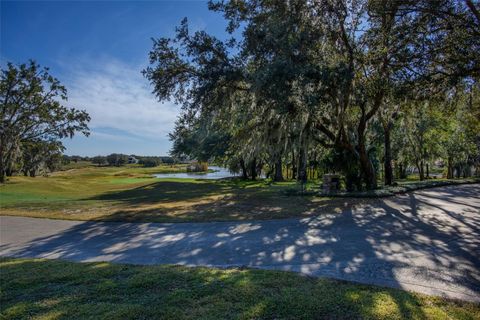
218 173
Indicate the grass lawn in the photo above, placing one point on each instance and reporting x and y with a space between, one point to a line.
50 289
130 193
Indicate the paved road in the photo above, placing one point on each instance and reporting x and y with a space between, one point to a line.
427 241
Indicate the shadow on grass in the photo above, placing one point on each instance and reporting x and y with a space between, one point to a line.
174 201
59 289
164 191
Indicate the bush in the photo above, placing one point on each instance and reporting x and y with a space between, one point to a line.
167 160
150 161
100 160
198 167
117 159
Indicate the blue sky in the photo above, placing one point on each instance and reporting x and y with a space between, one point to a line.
97 50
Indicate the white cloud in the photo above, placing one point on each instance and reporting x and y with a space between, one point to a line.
97 134
117 96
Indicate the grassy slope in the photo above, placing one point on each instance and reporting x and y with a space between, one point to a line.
42 289
131 194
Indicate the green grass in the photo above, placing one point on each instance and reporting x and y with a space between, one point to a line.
49 289
131 194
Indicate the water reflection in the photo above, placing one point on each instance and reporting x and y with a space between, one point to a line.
218 173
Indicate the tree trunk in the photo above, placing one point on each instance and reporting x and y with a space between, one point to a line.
450 169
403 170
2 164
253 169
388 176
367 168
302 165
420 170
294 168
278 170
244 170
259 167
467 171
427 170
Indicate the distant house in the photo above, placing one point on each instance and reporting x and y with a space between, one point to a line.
132 159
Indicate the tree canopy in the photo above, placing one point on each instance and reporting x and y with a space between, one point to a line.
33 118
299 82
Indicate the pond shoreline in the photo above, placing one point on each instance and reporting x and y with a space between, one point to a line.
213 173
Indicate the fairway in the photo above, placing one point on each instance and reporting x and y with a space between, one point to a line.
132 194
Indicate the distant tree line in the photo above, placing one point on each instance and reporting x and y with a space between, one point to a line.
305 87
75 158
151 161
118 159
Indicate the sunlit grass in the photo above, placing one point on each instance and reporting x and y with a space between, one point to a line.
48 289
131 193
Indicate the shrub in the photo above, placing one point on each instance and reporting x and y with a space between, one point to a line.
117 159
150 161
100 160
198 167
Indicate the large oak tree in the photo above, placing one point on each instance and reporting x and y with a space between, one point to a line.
32 110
